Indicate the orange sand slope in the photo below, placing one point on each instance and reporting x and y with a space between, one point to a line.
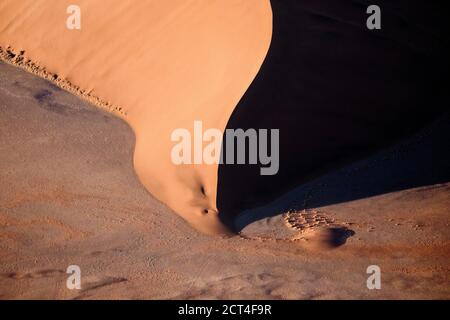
139 55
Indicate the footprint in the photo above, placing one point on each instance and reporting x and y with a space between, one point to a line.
87 288
306 219
103 283
47 273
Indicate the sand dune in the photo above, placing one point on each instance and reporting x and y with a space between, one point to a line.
69 195
363 179
337 91
161 65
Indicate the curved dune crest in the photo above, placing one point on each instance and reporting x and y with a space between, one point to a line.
167 63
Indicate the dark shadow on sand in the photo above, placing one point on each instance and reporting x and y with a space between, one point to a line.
339 236
340 93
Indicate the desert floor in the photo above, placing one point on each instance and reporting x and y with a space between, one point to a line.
69 196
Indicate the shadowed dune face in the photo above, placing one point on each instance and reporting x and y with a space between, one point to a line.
166 63
339 92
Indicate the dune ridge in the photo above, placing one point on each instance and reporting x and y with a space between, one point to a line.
12 57
159 65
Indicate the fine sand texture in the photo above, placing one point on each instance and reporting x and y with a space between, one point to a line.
160 65
69 196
